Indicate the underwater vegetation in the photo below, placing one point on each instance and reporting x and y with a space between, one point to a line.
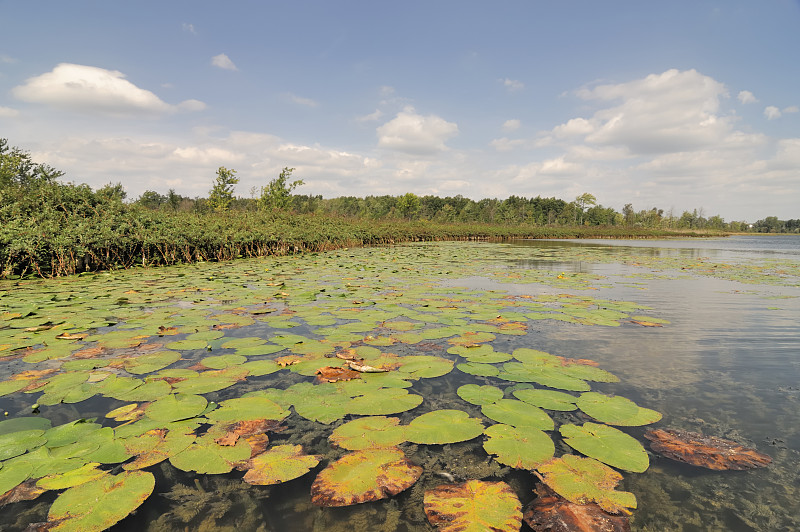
211 378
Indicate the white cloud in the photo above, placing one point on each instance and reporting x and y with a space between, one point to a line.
512 84
386 91
192 105
505 144
224 62
415 134
308 102
92 89
791 109
8 112
746 97
7 59
189 27
372 117
772 112
511 125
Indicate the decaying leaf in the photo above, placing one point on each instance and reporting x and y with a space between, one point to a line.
279 464
335 374
705 451
473 505
584 480
26 491
364 368
551 513
364 476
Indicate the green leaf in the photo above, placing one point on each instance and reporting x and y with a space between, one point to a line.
480 395
175 407
547 399
523 448
72 478
247 408
608 445
383 402
443 426
616 410
368 432
279 464
518 414
206 456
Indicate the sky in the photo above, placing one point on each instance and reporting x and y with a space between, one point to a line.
680 105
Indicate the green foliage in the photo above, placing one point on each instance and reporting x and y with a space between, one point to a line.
221 195
277 195
17 168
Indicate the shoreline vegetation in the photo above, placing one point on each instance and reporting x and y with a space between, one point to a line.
49 228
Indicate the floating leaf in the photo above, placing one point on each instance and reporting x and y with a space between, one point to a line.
584 480
19 442
175 407
223 361
547 399
523 448
607 444
368 432
552 376
279 464
425 366
549 512
473 505
151 362
383 402
364 476
11 386
518 414
705 451
98 504
334 374
247 408
478 369
72 478
479 395
443 426
207 456
155 446
616 410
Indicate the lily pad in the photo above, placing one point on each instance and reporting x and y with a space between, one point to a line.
473 505
608 445
247 408
705 451
518 414
364 476
478 369
547 399
368 432
550 512
383 402
616 410
72 478
279 464
207 456
479 395
585 480
523 448
98 504
551 376
175 407
443 426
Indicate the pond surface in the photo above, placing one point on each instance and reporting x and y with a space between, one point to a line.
703 331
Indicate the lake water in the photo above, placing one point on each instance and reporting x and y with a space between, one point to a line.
726 364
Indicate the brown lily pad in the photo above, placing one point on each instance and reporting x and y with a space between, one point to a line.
364 476
551 513
705 451
26 491
335 374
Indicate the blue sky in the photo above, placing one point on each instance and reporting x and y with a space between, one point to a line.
677 105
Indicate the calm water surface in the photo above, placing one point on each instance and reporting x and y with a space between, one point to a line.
727 365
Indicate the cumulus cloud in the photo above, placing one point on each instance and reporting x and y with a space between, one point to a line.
224 62
772 112
8 112
506 144
791 109
92 89
372 117
415 134
512 85
511 125
189 27
746 97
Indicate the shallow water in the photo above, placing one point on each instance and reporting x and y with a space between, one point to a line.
726 365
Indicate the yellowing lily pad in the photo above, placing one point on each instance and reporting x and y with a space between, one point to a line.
72 478
472 506
523 448
98 504
364 476
279 464
368 432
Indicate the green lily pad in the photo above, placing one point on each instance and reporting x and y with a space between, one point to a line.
474 505
98 504
524 448
279 464
247 408
616 410
424 366
151 362
24 423
175 407
443 426
72 478
584 480
364 476
223 361
154 447
368 432
11 386
206 382
478 369
187 345
589 373
518 414
547 399
383 402
551 376
479 395
608 445
20 442
204 455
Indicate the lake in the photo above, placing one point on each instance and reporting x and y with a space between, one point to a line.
703 331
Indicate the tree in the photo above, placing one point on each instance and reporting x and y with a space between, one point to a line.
150 199
221 194
173 199
17 168
408 205
112 192
277 195
583 201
